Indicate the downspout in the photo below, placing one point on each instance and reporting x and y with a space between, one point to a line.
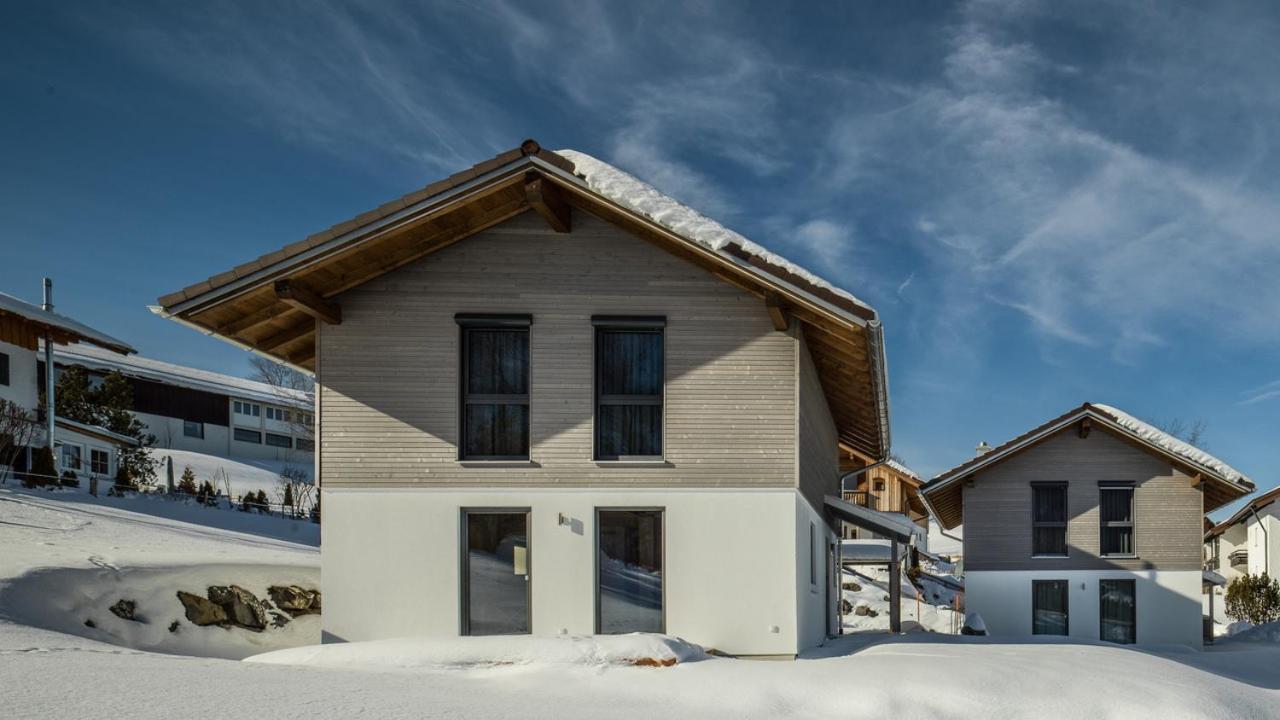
50 409
1266 542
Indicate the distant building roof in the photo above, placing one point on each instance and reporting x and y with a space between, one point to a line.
96 431
64 329
1245 512
181 376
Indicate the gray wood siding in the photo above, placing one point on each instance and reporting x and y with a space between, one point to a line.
390 370
818 464
997 509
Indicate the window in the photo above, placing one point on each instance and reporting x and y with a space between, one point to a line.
283 441
70 457
1049 607
629 384
1049 519
879 486
813 556
495 387
496 568
277 414
100 462
305 445
1115 508
192 429
304 418
1117 607
250 409
4 368
249 436
629 571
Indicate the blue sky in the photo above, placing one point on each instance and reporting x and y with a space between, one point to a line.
1046 204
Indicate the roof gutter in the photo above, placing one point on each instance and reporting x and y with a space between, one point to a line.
243 346
880 379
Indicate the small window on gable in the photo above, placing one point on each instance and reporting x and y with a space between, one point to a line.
495 387
629 387
1049 519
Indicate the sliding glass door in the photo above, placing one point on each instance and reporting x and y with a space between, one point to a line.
629 571
1117 607
495 572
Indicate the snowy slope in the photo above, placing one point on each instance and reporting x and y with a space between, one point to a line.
245 475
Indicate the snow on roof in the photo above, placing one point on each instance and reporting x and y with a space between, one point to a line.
641 197
180 375
1173 445
35 313
77 426
901 468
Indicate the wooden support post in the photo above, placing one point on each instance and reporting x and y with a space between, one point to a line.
547 201
299 296
777 311
895 588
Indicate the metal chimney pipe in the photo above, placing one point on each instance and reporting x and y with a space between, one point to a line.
50 407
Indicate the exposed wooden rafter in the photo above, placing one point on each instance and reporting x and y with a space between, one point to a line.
284 337
778 312
546 200
299 296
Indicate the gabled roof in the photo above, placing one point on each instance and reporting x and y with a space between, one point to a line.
62 328
96 431
1245 512
272 305
181 376
1222 483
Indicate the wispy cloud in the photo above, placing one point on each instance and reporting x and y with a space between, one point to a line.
1262 393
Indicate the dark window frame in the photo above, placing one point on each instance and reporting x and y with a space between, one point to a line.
1131 523
621 323
93 461
188 424
235 435
1064 524
4 369
1102 621
468 322
287 444
305 445
464 564
1066 606
662 514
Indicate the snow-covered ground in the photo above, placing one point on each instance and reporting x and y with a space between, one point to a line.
50 670
244 476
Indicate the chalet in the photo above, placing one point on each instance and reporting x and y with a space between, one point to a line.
549 397
1248 542
890 487
1088 526
185 408
25 329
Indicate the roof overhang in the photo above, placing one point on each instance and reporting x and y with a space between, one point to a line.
891 525
36 323
943 494
96 431
246 306
1254 505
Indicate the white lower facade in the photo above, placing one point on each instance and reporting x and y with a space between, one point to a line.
738 571
220 440
1168 602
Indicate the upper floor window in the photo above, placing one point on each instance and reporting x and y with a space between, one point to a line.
4 368
305 418
278 414
629 387
1115 516
192 429
1049 519
250 409
495 387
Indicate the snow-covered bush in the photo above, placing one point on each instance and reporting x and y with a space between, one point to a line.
1255 598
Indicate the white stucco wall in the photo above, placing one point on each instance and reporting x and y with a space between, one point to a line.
218 441
1168 602
22 388
815 607
1263 541
63 436
391 562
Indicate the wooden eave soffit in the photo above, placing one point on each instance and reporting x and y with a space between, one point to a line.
547 200
1085 426
298 296
778 312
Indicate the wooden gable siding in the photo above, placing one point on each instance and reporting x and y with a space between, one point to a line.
389 372
819 450
997 508
17 331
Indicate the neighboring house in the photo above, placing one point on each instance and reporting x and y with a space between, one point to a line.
207 412
1090 526
892 488
549 398
83 449
1249 540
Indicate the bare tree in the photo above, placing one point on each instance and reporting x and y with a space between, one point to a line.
1191 433
18 427
287 383
294 484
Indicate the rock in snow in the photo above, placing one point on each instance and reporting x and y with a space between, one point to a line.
295 600
202 611
243 608
125 609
